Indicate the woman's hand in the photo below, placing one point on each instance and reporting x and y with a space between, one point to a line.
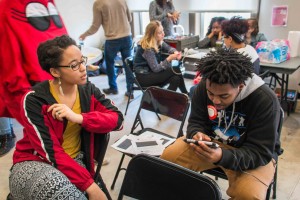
174 56
95 193
59 111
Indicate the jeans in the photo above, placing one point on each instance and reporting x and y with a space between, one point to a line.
5 126
112 47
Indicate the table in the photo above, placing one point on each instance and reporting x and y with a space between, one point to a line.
93 54
285 69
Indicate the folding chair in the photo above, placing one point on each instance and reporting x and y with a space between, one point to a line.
160 101
149 177
100 147
219 173
135 84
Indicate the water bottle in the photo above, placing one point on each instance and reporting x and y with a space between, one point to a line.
81 44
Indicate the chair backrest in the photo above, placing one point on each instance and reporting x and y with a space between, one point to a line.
149 177
165 102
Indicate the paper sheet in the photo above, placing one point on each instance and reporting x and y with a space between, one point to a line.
148 142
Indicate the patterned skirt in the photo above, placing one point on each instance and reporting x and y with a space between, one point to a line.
31 180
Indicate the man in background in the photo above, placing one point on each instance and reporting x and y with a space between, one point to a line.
115 18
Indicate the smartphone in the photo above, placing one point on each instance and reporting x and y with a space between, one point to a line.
212 145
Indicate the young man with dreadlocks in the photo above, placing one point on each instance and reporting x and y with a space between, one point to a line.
234 108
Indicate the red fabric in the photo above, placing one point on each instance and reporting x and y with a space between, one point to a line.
19 39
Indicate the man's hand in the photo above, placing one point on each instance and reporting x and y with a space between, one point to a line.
205 152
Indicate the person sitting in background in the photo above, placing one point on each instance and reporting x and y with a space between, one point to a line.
164 11
213 34
54 159
234 108
150 68
253 36
234 31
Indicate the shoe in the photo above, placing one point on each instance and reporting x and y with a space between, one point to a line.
92 67
7 142
110 91
106 161
127 95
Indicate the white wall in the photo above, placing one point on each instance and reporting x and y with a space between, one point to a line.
293 24
77 16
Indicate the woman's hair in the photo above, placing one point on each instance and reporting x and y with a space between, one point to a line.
213 20
160 3
149 40
225 66
50 52
236 27
254 25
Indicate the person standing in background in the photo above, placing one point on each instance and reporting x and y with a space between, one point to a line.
213 34
115 18
253 36
7 136
164 11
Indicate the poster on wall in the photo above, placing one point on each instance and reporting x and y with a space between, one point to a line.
279 15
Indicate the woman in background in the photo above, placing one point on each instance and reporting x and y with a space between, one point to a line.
234 31
253 36
164 11
54 159
213 34
150 68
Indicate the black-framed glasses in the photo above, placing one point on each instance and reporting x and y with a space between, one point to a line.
76 65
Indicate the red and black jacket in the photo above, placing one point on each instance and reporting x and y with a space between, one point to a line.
43 135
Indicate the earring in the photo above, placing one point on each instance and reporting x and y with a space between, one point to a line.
60 88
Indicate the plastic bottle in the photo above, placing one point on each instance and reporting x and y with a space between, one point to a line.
81 44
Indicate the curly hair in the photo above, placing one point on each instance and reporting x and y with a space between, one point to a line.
213 20
225 66
236 27
50 52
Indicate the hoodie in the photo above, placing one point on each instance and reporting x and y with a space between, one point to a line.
249 124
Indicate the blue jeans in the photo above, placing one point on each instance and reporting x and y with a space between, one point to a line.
112 47
5 126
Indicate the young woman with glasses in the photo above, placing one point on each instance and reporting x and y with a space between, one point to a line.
54 159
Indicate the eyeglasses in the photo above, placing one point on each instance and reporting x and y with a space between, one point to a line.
76 65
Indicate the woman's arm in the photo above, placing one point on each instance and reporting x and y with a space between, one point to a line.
104 116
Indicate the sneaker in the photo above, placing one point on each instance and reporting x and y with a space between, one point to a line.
110 91
7 142
127 95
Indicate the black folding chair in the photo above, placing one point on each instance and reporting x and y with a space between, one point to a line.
149 177
160 101
100 147
135 84
219 173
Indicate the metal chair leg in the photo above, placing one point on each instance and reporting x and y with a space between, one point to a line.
117 172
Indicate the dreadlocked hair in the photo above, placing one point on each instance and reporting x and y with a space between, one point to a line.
225 66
